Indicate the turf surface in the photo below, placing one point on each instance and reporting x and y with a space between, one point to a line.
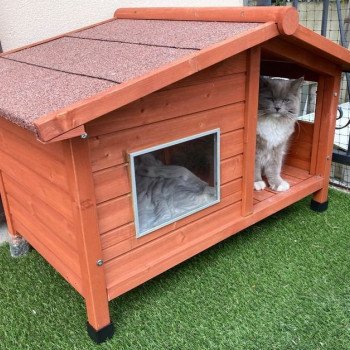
281 284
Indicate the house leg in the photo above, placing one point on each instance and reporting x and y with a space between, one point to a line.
101 335
327 118
318 207
99 325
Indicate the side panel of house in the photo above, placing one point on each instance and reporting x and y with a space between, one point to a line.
37 193
211 99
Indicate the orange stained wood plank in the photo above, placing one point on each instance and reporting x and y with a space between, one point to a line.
76 132
287 18
145 262
231 168
232 65
249 138
231 144
119 211
113 149
147 256
111 183
320 45
54 124
133 242
53 223
52 257
124 232
114 213
41 187
327 127
296 172
155 108
55 151
6 206
302 56
119 241
48 240
262 195
114 181
291 179
167 104
317 124
298 163
88 236
24 148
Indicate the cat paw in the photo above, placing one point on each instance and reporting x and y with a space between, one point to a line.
259 185
283 186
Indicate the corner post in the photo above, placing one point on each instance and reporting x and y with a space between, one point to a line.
250 121
330 98
99 326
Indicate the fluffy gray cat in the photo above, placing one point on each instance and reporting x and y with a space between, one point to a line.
279 102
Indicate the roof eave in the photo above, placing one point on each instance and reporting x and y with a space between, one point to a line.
55 126
322 46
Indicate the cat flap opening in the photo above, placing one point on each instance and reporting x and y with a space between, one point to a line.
173 180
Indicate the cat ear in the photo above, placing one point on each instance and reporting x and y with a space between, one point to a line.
264 82
295 85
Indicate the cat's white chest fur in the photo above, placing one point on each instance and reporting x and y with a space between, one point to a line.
274 131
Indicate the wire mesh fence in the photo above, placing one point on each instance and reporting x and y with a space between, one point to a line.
330 18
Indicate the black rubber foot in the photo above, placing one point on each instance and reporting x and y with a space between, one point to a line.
319 207
102 334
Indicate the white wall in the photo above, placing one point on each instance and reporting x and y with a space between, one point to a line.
25 21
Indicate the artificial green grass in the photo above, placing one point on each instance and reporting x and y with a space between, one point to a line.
281 284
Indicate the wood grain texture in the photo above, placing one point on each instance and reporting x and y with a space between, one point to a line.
51 257
301 56
119 211
301 145
146 260
319 45
88 236
6 206
132 269
123 239
22 145
112 149
53 223
249 138
287 18
328 116
155 108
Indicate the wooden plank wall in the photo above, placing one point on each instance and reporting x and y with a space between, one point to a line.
301 144
213 98
39 196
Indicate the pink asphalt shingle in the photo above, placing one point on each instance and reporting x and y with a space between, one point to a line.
114 61
180 34
50 76
28 92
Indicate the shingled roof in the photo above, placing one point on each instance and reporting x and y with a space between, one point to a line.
55 86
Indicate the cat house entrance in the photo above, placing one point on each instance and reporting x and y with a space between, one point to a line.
174 180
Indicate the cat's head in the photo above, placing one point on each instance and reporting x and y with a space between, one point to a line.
279 98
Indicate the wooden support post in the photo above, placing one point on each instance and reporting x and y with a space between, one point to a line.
88 237
250 121
330 95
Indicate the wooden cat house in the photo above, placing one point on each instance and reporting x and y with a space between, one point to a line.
79 110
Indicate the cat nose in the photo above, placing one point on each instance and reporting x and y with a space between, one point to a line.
277 108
